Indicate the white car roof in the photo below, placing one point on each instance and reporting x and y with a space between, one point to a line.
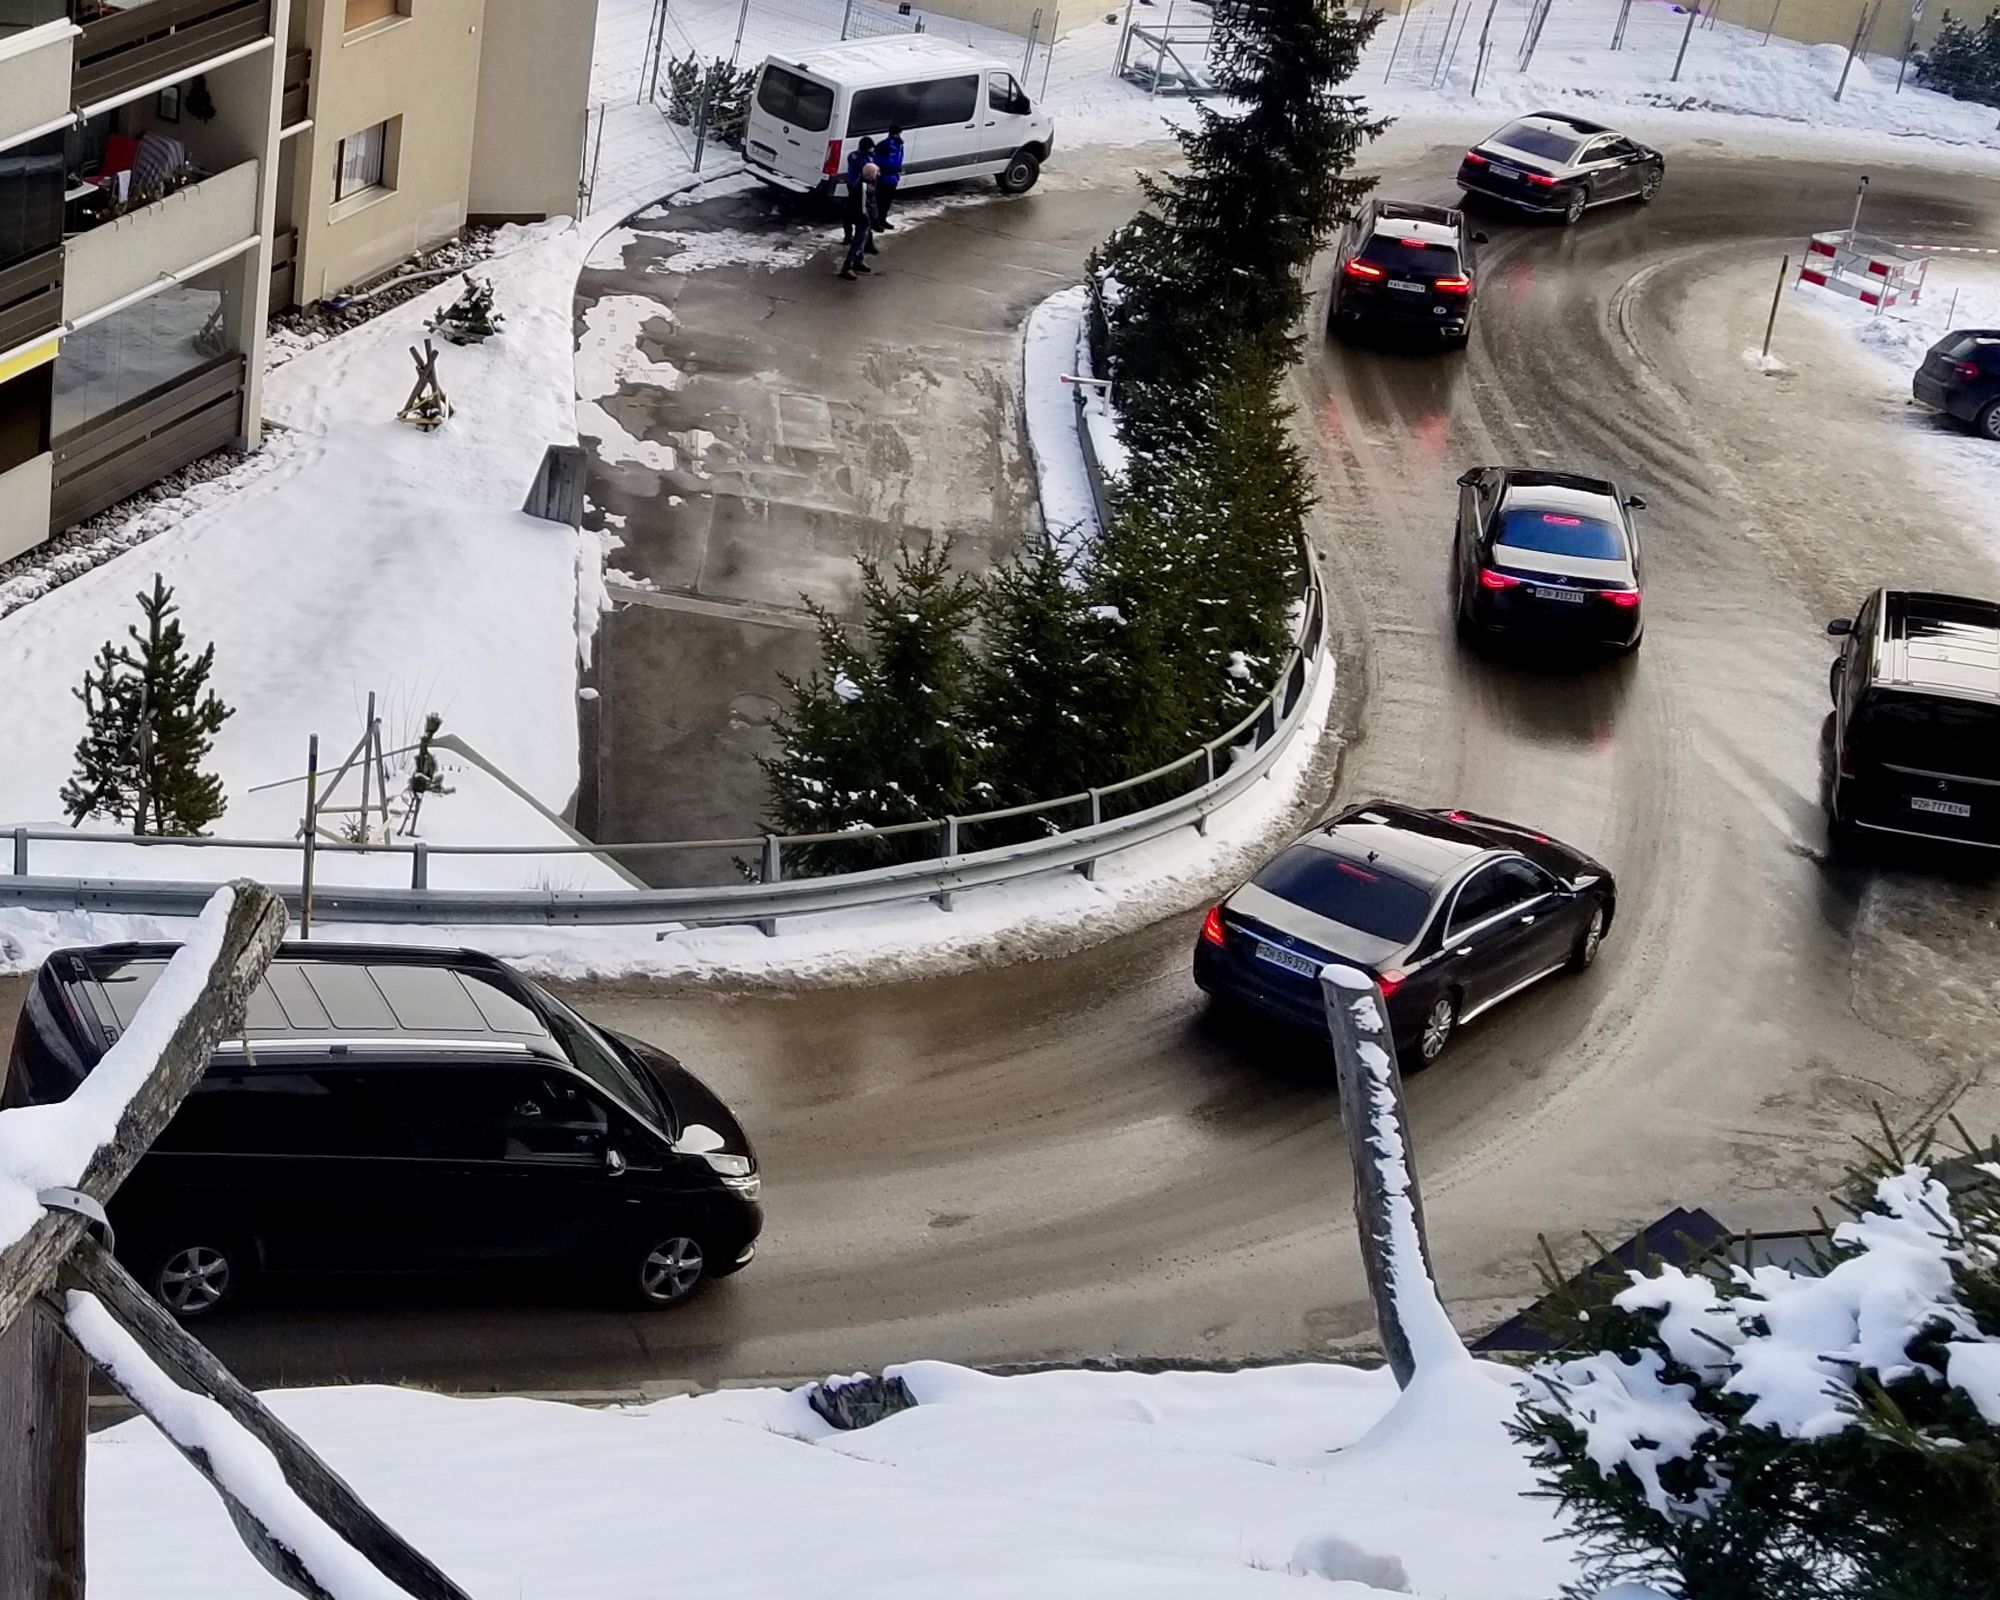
870 63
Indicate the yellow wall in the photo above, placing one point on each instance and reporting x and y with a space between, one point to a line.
534 100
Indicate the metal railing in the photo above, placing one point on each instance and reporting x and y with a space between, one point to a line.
1214 772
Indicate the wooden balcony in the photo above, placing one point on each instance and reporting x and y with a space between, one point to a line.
100 462
123 49
31 298
295 107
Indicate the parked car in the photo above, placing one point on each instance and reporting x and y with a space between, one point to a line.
404 1110
1551 555
1915 746
963 115
1450 913
1961 377
1407 267
1561 165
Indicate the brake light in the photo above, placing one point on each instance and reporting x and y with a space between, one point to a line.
1211 926
1555 521
1536 177
1389 982
1460 285
1628 598
1475 158
832 167
1489 579
1362 269
1965 370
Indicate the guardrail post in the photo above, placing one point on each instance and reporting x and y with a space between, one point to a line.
770 870
947 848
420 866
1089 868
20 852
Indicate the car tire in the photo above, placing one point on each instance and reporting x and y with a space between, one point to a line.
1988 424
666 1272
1591 939
194 1275
1655 176
1579 199
1019 175
1440 1022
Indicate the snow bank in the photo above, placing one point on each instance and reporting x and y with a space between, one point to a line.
1060 1485
1051 339
48 1147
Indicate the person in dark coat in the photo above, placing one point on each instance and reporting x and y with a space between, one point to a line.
863 154
860 219
889 157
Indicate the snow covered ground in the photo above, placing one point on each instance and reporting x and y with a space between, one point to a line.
1305 1480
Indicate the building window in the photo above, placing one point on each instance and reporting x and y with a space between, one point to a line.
360 13
363 163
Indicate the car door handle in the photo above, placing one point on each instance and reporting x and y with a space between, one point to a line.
1465 951
1530 917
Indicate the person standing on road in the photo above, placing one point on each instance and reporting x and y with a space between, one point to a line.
889 157
861 219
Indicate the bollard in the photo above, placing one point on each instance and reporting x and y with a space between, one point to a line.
1784 271
420 866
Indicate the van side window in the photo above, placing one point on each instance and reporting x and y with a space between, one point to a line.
554 1119
913 105
1004 94
945 100
446 1113
273 1114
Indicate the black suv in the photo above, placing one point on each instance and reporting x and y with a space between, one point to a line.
1915 746
1961 377
404 1110
1408 267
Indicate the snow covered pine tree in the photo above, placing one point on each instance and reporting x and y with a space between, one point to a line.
151 721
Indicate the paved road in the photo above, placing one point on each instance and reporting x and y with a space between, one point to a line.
1066 1158
813 421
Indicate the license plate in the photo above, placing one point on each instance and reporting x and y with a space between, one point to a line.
762 149
1290 960
1943 808
1570 597
1409 288
1499 171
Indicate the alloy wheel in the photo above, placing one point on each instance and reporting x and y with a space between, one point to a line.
195 1279
1437 1027
671 1270
1593 936
1651 186
1578 199
1989 421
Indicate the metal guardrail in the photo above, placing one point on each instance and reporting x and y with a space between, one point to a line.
1227 764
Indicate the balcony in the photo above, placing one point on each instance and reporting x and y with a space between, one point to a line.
124 48
24 505
31 299
157 241
34 66
298 88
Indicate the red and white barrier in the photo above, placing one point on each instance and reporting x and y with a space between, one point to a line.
1873 271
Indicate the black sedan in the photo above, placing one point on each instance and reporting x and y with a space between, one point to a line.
1449 912
1561 166
1551 555
1961 377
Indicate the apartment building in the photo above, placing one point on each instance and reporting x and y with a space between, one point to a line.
171 168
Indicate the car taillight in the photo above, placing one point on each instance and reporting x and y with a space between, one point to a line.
1536 177
1475 158
832 167
1489 579
1455 285
1628 598
1362 269
1965 371
1846 759
1389 982
1211 926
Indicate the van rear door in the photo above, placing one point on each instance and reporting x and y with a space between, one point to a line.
791 126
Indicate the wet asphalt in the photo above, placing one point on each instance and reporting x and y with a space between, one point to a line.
1069 1158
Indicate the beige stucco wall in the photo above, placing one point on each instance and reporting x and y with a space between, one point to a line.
1018 16
24 505
423 68
534 97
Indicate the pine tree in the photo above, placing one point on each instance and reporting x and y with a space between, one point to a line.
877 734
152 720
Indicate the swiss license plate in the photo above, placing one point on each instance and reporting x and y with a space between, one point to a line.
1499 171
762 149
1409 288
1290 960
1571 597
1943 808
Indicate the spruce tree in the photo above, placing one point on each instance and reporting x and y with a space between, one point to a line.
877 734
151 721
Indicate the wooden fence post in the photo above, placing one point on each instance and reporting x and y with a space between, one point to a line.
44 1396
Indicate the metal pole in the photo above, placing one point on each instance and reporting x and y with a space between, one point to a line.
1160 55
1909 41
700 123
846 15
1860 31
1049 55
368 750
1686 34
1485 32
1451 56
1450 19
1618 32
1776 6
1401 27
1535 34
1124 38
312 838
1028 56
597 151
1784 271
1950 317
655 24
1854 222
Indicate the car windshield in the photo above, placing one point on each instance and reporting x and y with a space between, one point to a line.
1932 733
1364 896
794 99
601 1061
1559 533
1410 258
1543 142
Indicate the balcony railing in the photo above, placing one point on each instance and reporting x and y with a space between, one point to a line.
31 298
157 241
101 461
298 87
125 48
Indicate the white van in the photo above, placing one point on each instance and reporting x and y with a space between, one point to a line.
963 115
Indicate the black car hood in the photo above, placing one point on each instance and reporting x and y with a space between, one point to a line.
694 1105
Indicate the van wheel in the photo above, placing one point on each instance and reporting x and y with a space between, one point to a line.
1022 169
669 1271
195 1275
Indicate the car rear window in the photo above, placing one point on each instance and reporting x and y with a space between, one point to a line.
1559 533
1543 142
1365 896
798 100
1410 258
1931 732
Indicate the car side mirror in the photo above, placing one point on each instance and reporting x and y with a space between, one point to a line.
1480 238
1468 478
1635 502
1840 625
614 1163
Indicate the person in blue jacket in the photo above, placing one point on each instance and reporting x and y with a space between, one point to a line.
889 157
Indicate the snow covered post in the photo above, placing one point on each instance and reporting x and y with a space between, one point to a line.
1388 1209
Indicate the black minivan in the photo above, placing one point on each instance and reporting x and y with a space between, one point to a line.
402 1110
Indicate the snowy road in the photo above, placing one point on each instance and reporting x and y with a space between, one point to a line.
1064 1159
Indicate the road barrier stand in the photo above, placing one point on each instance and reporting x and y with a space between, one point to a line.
1873 271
